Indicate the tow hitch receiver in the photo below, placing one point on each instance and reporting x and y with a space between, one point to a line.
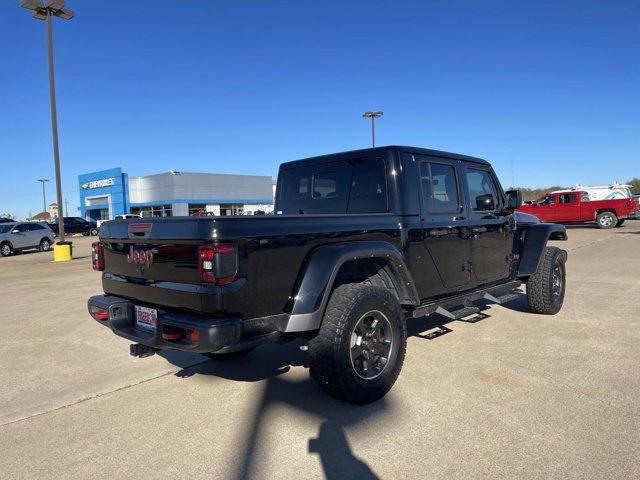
139 350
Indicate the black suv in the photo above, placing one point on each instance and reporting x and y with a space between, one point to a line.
360 241
76 225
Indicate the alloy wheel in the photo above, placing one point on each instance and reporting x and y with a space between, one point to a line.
371 345
556 282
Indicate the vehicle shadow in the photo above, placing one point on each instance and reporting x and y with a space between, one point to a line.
26 252
578 226
268 363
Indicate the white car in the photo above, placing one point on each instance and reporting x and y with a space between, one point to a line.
120 217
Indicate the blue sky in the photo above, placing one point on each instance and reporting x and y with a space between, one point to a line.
549 92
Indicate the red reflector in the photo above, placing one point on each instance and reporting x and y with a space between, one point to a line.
171 333
97 256
99 313
225 280
194 335
208 276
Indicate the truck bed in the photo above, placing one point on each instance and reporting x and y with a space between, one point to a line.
173 280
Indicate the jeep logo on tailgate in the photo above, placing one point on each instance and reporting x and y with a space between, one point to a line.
141 258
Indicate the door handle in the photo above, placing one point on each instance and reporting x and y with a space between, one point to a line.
455 219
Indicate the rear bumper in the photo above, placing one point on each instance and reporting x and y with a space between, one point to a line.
213 334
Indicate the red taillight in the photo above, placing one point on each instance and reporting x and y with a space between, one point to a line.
97 256
218 264
99 313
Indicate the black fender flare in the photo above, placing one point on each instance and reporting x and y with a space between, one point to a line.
535 241
313 289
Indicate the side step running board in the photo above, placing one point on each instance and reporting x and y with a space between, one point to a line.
459 313
502 299
462 306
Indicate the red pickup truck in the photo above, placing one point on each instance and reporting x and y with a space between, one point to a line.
574 206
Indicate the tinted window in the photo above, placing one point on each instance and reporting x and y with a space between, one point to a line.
565 198
482 191
21 228
321 188
325 185
368 187
439 187
6 228
33 227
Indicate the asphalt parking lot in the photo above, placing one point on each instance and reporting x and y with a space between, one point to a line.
515 395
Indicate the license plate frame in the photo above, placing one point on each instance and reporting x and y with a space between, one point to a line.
146 318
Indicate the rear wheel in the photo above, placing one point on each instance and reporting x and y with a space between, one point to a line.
6 249
545 288
93 232
45 245
358 353
620 223
606 220
228 356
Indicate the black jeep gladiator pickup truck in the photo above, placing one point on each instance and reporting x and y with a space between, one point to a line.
360 242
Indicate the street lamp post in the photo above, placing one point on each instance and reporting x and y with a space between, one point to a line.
44 196
52 8
373 116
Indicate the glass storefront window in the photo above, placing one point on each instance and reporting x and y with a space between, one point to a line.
152 211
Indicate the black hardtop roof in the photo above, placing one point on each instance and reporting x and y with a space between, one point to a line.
381 151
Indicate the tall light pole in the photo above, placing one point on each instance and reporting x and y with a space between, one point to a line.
44 197
373 116
44 11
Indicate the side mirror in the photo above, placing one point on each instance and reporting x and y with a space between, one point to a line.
15 230
485 202
514 199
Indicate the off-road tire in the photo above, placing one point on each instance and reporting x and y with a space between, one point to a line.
45 245
6 249
542 296
620 223
330 361
230 355
606 220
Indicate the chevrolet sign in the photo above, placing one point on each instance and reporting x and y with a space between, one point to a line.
105 182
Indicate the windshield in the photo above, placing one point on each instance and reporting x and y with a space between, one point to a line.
6 228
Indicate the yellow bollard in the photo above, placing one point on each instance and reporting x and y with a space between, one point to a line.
62 252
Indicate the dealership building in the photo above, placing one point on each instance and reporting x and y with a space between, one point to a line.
108 193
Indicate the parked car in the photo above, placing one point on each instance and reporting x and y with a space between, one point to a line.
363 240
76 225
569 206
6 220
636 215
18 236
119 217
